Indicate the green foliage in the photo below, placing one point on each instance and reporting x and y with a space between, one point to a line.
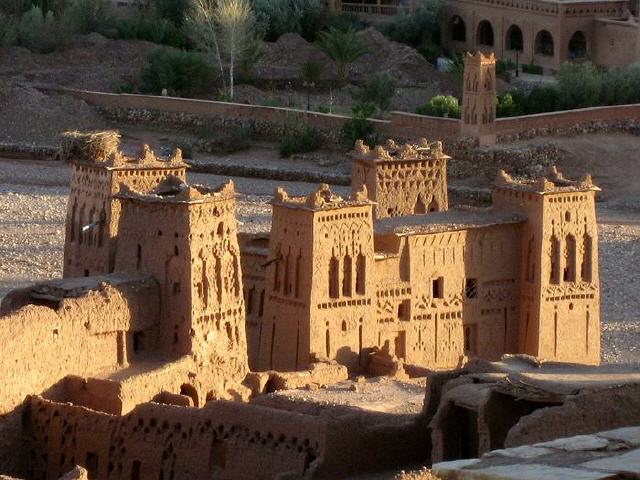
441 106
621 85
86 16
532 69
8 31
343 47
540 100
417 27
457 66
503 66
276 17
579 85
430 51
40 32
506 106
359 127
311 73
15 7
151 29
300 140
323 109
345 22
379 91
182 73
173 11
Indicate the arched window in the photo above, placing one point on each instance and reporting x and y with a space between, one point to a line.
578 45
485 34
458 29
515 40
544 43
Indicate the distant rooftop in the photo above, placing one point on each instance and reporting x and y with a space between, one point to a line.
321 199
553 182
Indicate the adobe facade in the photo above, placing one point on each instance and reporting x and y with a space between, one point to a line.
333 281
545 33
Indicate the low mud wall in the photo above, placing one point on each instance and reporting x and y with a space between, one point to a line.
274 122
569 122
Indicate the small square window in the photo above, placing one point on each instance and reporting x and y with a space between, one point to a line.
471 288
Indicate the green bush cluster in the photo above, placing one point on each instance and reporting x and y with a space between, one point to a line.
532 69
229 140
300 140
182 73
47 25
379 91
441 106
579 85
417 27
358 127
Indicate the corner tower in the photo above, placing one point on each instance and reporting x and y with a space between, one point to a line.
402 179
479 98
319 281
186 236
559 280
92 211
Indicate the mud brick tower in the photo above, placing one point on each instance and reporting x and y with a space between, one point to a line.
405 179
92 211
187 238
319 282
559 281
479 98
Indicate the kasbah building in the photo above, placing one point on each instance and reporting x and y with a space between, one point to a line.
541 32
163 301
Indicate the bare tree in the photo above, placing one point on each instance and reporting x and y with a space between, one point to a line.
226 28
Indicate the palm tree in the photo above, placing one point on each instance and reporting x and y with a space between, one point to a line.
343 47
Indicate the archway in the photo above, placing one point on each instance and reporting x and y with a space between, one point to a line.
578 45
458 29
514 40
544 43
485 34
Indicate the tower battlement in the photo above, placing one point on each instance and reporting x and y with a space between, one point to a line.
402 179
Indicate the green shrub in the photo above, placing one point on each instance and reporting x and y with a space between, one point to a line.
417 27
621 85
323 109
182 73
172 10
579 85
541 99
276 17
503 66
506 106
40 32
86 16
8 31
379 91
186 147
156 30
441 106
430 51
359 127
343 47
345 22
532 69
15 7
300 140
